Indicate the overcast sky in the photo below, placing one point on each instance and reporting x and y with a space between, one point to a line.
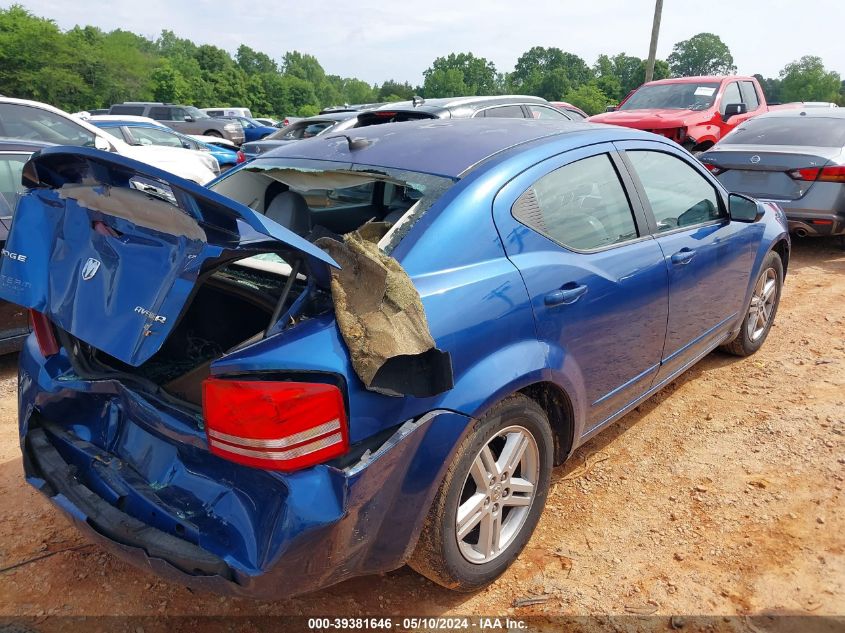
377 40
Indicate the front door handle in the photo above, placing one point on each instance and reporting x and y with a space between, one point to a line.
570 293
683 256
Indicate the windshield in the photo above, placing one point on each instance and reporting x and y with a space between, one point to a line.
793 130
315 198
676 96
196 112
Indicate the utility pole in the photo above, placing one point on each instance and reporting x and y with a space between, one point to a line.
652 49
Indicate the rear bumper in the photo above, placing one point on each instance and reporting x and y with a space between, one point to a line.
815 223
172 508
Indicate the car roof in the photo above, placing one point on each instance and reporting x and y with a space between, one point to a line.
700 79
22 145
810 113
128 121
453 103
328 116
447 147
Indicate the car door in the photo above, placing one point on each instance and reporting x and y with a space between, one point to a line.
731 95
706 255
596 278
14 321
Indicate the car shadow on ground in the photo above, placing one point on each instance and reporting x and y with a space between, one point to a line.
8 366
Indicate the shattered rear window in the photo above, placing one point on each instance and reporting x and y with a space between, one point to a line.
333 199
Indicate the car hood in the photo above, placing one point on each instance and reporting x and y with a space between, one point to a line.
649 118
110 249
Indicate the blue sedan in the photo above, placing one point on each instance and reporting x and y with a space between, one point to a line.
365 350
253 130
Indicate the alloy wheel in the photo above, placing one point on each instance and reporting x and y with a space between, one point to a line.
497 494
762 304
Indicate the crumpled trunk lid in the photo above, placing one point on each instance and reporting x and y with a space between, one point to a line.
111 249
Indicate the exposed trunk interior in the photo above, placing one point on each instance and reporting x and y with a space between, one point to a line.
231 307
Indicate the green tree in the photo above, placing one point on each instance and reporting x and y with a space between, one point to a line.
771 88
808 80
462 71
394 91
445 83
588 97
168 84
253 62
548 73
357 91
702 54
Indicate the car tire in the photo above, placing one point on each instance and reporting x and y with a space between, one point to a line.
515 423
761 310
213 133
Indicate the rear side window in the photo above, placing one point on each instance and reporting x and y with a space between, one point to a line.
159 114
575 115
505 112
134 110
545 112
679 196
582 205
214 112
792 130
749 95
731 96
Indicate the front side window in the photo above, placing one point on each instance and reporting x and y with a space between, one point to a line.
35 124
730 97
152 136
678 194
582 206
749 95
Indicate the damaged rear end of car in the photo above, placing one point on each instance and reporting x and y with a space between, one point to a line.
186 395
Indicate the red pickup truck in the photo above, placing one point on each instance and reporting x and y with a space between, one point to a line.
693 111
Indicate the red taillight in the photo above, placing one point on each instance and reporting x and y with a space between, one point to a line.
241 157
833 174
274 425
714 169
822 174
385 114
43 333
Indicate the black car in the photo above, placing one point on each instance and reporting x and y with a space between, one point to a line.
502 106
14 321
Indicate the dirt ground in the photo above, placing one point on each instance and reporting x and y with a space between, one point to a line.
722 495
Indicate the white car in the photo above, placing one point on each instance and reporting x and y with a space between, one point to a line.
34 121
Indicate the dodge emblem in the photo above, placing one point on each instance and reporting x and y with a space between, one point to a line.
755 159
90 268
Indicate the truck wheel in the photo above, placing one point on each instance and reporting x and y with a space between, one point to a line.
490 499
762 309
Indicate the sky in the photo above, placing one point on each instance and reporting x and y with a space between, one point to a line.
376 40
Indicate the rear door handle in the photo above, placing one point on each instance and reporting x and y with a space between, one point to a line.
570 293
683 256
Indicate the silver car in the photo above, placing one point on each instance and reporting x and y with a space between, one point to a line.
795 158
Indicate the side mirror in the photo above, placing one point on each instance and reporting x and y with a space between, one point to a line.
611 108
744 209
732 109
103 144
189 118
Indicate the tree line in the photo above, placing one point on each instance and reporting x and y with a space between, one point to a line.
86 67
